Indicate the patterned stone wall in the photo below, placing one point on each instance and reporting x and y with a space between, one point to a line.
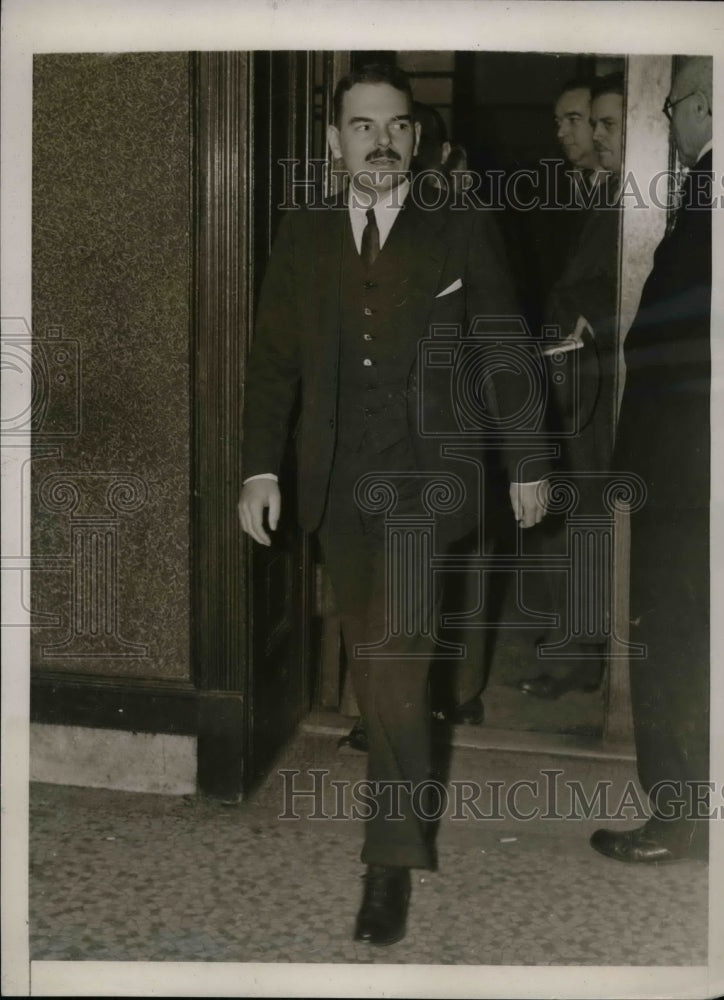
111 279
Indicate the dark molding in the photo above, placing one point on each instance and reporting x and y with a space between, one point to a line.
221 745
220 311
127 704
140 706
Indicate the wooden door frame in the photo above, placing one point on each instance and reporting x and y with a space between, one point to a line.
225 277
647 149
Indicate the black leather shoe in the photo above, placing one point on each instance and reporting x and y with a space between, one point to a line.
545 686
640 845
356 738
383 913
470 713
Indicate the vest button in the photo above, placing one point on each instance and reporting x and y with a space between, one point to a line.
368 311
367 336
331 424
370 284
368 362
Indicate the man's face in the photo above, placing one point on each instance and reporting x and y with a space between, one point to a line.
687 115
573 128
376 137
607 122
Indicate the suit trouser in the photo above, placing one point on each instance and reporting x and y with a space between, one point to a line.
455 683
580 405
391 687
670 686
547 590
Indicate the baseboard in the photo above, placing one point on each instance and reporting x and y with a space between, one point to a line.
159 763
156 719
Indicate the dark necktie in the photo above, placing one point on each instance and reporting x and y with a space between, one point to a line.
370 239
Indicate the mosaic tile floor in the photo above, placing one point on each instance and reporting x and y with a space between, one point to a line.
122 876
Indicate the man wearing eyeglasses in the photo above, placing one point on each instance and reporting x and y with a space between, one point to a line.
663 436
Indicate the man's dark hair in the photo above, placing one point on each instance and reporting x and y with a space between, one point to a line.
610 84
576 83
432 123
433 133
374 73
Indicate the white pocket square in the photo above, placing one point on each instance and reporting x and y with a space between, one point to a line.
575 341
450 288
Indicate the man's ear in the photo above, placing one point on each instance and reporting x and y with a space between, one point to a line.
333 140
418 133
446 147
703 108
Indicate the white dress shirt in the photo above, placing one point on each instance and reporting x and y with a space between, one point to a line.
387 208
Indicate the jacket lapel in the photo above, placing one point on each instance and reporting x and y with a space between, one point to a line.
414 254
323 269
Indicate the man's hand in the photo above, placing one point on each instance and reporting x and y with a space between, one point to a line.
529 501
256 496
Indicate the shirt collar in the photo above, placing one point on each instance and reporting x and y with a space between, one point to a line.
386 210
391 200
704 149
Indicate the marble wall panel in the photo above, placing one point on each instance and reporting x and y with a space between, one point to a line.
111 282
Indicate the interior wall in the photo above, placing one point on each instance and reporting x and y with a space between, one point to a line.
110 484
514 97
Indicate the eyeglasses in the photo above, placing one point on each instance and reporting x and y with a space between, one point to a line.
669 104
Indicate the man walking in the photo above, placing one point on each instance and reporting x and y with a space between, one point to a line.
349 293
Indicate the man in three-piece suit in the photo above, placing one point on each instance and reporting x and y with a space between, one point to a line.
350 292
663 435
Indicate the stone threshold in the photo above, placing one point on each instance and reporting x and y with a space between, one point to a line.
330 723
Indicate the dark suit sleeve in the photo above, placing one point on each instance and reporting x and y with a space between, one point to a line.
274 364
589 284
663 432
517 382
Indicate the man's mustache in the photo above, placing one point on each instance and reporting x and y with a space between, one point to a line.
382 154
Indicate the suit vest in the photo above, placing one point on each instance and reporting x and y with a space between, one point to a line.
374 366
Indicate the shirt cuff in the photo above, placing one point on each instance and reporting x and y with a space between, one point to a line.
261 475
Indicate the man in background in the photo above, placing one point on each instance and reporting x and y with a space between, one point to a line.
548 233
583 304
663 436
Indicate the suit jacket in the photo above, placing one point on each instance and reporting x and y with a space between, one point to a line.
588 286
297 338
663 432
549 232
